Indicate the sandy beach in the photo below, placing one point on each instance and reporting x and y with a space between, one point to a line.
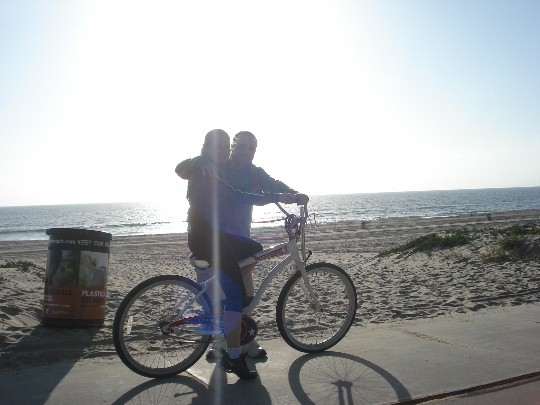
397 286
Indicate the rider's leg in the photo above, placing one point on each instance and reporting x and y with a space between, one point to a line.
233 360
232 284
247 276
252 349
201 242
232 321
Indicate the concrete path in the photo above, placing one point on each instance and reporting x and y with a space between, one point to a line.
489 357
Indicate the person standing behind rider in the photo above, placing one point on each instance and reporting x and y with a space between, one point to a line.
240 172
209 201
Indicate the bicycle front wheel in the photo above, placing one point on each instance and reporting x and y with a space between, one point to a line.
304 326
139 337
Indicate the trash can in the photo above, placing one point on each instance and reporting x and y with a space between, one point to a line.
76 278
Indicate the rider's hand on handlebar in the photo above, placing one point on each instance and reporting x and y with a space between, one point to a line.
301 199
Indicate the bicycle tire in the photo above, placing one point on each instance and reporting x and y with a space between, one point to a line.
300 325
138 338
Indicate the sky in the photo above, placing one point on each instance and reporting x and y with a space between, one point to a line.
99 100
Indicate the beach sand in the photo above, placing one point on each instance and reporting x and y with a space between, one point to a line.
391 287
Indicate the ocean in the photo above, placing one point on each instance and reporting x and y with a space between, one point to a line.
119 219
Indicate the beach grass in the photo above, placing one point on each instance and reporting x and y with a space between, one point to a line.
433 241
23 265
516 243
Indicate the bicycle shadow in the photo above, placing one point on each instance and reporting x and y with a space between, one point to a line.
322 378
184 390
341 378
179 389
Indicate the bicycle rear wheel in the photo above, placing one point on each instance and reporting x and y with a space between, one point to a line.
300 324
139 339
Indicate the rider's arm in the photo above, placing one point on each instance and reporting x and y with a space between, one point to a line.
268 184
254 198
185 169
204 191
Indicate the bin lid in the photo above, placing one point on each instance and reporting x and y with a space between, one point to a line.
78 233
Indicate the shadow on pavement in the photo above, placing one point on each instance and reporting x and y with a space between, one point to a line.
179 389
323 378
185 389
340 378
49 347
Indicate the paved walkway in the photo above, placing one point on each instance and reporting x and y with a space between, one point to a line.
489 357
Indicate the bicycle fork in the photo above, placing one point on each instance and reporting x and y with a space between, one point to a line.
305 285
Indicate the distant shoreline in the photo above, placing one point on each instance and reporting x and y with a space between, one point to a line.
478 220
473 217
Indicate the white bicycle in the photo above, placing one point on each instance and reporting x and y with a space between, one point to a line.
165 324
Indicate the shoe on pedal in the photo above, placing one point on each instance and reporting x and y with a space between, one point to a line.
214 353
218 348
254 350
237 366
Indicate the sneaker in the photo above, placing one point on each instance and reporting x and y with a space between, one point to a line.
237 366
214 353
219 347
254 350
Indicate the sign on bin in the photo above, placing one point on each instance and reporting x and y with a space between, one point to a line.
76 279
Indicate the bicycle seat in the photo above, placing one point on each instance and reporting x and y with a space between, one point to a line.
198 263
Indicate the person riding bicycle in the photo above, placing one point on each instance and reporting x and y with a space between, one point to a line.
240 172
210 200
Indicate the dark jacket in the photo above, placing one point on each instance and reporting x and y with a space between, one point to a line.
211 200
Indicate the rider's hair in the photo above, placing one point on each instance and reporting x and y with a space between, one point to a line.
245 133
211 137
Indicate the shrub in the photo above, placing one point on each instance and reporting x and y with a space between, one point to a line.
433 241
23 265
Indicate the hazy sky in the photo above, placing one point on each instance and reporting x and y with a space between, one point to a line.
99 100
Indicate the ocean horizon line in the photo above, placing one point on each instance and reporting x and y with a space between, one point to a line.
310 195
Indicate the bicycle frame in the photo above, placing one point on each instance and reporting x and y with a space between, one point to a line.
296 255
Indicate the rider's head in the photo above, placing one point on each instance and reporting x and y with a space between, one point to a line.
243 148
217 146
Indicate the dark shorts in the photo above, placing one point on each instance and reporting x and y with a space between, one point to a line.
224 259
